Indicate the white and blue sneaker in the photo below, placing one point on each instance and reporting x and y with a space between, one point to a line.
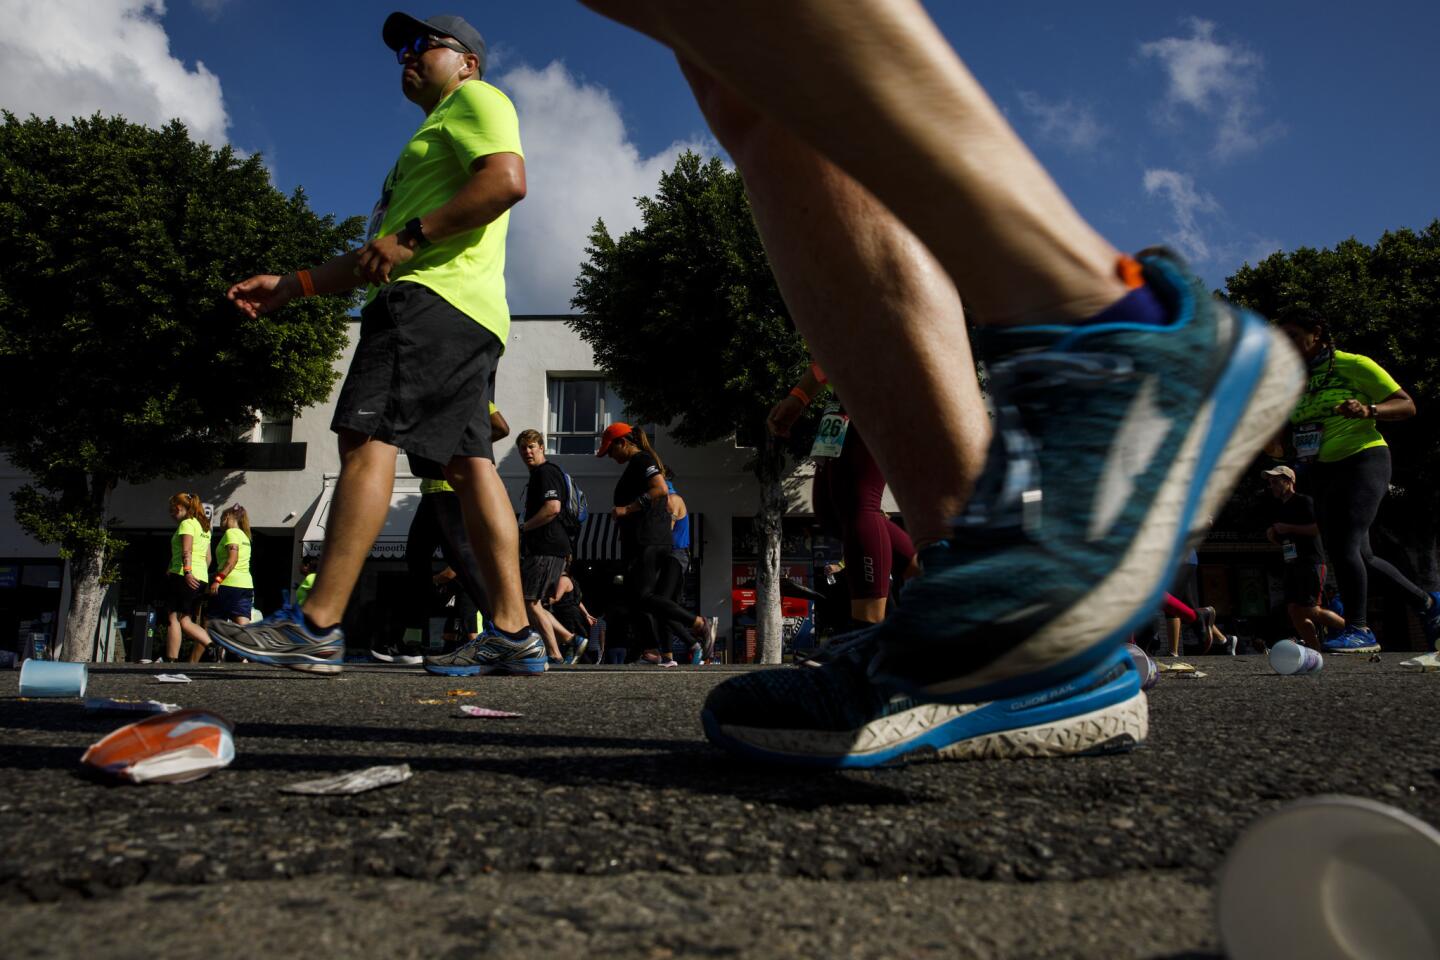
1114 443
493 652
836 716
283 640
1352 640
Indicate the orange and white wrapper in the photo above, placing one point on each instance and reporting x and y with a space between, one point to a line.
169 748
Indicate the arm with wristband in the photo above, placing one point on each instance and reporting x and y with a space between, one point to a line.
785 413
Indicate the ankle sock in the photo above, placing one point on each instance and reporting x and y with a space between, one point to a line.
1138 306
517 635
315 629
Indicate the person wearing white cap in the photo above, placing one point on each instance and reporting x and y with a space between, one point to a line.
432 330
1293 529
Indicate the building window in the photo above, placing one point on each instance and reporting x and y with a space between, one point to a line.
275 426
580 410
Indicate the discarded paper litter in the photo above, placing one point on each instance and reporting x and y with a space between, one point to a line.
167 748
485 713
171 678
357 781
107 705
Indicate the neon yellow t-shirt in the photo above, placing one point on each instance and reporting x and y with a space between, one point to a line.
440 486
468 269
303 590
199 549
1332 382
240 576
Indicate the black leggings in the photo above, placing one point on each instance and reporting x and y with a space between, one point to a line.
644 605
1348 495
439 522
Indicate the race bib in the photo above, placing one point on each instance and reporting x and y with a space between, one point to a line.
830 438
1307 437
1288 551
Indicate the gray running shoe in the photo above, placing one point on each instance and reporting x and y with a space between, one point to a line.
283 640
492 652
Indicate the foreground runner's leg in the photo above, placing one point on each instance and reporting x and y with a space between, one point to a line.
1127 399
311 640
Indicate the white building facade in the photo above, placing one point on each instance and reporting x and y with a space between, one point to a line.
547 381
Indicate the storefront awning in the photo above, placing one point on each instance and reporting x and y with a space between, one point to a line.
390 545
599 537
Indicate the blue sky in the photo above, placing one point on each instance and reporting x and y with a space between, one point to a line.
1227 129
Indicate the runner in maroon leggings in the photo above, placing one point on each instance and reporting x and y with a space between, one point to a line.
847 493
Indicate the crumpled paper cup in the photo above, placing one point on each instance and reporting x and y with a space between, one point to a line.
168 748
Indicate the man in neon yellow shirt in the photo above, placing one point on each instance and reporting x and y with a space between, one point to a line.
432 330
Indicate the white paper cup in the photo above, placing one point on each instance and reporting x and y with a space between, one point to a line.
1332 878
1292 659
52 678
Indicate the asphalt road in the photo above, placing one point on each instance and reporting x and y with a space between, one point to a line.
601 823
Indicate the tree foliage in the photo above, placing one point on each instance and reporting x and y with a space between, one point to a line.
120 356
1381 300
683 312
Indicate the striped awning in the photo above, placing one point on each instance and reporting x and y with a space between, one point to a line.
599 538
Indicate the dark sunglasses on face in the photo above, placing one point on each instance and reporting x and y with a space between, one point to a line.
419 45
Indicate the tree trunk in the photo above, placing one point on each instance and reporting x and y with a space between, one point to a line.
87 563
769 467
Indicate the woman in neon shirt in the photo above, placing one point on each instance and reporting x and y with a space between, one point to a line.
185 578
232 586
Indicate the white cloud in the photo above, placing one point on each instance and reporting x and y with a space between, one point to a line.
1187 204
1217 80
72 58
580 165
1066 123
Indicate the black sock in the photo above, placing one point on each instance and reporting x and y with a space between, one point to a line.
315 629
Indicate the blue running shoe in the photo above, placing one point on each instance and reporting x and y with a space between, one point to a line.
836 716
492 652
1352 640
1114 443
283 640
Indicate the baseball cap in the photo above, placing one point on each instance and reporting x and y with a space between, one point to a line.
1281 471
612 433
401 27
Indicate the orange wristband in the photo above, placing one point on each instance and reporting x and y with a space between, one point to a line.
307 286
818 374
800 395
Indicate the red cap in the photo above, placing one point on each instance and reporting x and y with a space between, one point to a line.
612 433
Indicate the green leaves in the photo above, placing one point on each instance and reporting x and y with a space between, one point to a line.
1380 300
683 313
119 353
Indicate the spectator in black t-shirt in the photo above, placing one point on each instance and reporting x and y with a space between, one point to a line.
1294 531
642 509
544 544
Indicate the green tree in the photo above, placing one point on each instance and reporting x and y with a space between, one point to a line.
121 358
1381 300
686 320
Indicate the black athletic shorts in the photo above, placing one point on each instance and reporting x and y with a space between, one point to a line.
180 598
539 574
231 602
420 377
1303 583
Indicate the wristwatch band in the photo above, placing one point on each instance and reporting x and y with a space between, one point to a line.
413 227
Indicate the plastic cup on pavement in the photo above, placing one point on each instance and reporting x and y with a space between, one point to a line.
1291 659
52 678
1144 665
1332 878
